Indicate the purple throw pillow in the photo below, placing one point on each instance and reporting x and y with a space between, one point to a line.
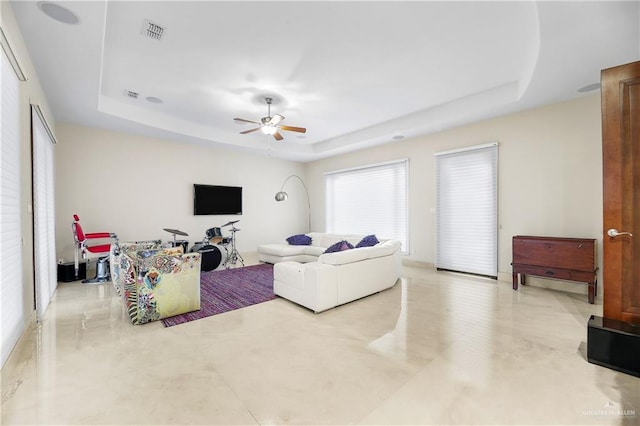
339 246
368 241
299 240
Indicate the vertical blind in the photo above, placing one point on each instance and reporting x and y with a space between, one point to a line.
467 210
369 200
43 213
11 297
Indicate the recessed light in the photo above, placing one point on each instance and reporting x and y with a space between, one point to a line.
59 13
589 87
154 100
398 137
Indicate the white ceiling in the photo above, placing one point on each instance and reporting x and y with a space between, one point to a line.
355 74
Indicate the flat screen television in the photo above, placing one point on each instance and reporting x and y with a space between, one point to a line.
216 200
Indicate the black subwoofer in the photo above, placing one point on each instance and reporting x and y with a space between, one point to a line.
66 272
614 344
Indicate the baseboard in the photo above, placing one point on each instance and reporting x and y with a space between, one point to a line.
504 276
417 263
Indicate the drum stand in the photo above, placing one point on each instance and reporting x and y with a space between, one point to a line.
176 232
234 256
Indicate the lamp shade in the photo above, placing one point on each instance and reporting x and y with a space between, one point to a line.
281 196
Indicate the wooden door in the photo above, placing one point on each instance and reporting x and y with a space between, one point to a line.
621 196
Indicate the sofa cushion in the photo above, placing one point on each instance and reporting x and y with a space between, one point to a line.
281 249
299 240
343 257
339 246
313 250
386 248
327 240
389 246
368 241
316 239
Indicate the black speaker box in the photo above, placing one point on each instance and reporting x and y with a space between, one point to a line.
614 344
66 272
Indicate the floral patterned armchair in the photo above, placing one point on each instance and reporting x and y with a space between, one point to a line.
155 282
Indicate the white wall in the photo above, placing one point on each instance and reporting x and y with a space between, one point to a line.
136 186
550 175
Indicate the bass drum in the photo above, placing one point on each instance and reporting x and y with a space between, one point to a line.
211 256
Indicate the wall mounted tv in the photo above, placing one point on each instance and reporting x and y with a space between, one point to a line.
216 200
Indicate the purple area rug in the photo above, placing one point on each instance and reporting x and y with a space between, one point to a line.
229 289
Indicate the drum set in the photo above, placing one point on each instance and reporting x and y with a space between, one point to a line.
216 250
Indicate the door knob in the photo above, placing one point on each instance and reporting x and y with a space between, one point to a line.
615 233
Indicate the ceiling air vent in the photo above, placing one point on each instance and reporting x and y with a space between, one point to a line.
153 30
131 94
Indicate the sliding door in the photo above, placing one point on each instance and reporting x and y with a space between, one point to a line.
43 212
11 293
467 210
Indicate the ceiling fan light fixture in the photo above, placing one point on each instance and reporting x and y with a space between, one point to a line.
270 125
269 130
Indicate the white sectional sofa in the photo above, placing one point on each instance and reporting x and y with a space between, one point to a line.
320 281
283 252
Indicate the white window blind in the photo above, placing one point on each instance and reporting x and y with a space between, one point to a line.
369 200
11 298
44 213
467 210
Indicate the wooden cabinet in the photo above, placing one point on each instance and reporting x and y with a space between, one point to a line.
571 259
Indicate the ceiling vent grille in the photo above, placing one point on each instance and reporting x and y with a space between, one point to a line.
131 94
153 30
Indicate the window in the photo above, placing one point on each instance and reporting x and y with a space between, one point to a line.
467 210
369 200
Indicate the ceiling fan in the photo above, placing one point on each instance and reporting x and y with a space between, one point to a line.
270 125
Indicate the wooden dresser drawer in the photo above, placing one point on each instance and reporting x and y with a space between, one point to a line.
543 271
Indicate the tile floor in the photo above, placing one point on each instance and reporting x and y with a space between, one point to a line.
438 348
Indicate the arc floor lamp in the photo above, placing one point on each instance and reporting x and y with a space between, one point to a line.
282 196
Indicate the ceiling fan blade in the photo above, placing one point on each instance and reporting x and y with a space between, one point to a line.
293 129
242 120
278 136
249 131
276 119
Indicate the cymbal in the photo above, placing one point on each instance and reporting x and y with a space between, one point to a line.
175 231
230 223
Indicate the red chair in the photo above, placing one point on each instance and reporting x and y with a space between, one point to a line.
91 249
